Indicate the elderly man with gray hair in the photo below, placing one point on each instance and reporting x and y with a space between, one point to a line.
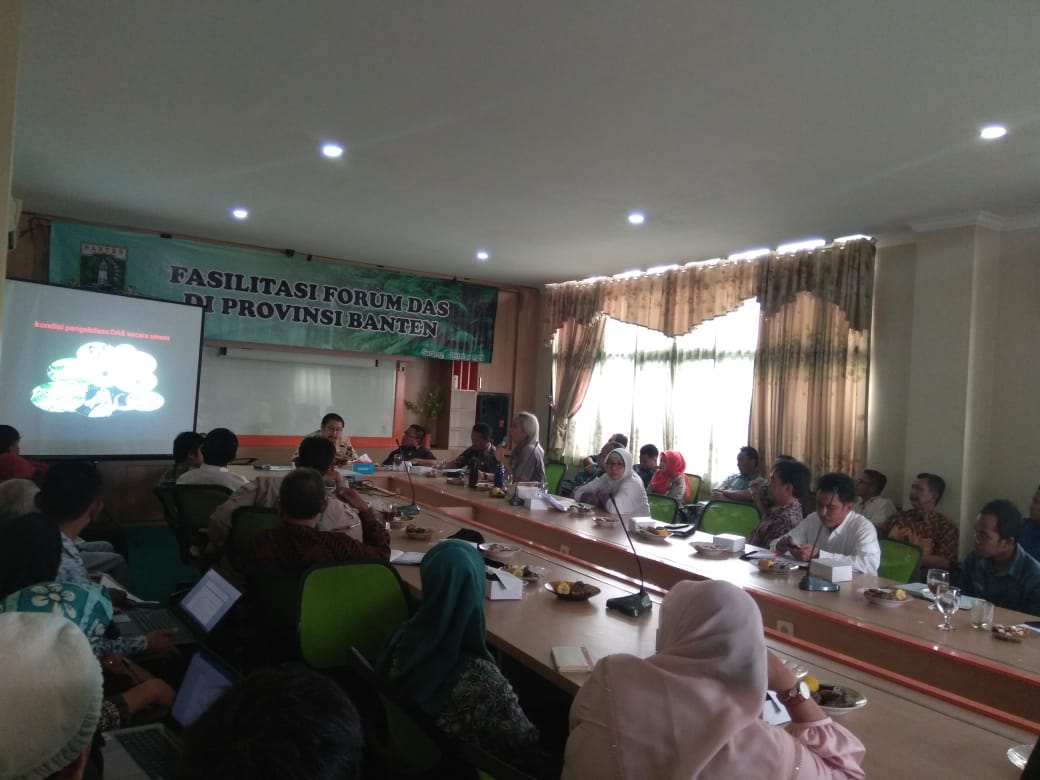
527 462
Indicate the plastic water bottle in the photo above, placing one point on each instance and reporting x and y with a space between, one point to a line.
500 476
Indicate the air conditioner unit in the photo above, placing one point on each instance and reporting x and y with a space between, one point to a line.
14 213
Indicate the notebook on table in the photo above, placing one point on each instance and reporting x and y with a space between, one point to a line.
195 615
153 752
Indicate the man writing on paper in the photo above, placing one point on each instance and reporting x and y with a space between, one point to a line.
843 535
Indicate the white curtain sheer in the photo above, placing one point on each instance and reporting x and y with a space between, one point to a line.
691 393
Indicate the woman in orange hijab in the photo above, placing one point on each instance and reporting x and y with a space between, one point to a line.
670 477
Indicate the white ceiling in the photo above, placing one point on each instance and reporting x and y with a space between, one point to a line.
527 128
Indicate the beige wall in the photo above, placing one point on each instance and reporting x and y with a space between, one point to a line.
954 366
10 30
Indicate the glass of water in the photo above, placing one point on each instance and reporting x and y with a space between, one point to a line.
947 601
981 614
397 461
937 579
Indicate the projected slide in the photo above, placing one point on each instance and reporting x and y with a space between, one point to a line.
97 375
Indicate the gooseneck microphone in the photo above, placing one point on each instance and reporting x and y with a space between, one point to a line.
413 508
810 581
637 603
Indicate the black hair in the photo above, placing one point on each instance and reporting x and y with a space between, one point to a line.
332 416
648 451
879 479
220 447
751 452
795 474
30 552
302 494
68 489
620 438
483 429
185 444
1009 519
420 429
839 484
8 436
316 453
935 483
287 722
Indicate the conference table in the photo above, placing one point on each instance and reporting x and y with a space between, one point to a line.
907 733
966 667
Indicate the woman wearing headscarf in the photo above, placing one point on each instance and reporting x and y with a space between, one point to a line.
692 709
440 658
619 484
527 461
670 477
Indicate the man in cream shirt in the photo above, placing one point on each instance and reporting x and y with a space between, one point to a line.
844 535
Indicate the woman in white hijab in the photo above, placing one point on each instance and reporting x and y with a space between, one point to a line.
618 482
692 709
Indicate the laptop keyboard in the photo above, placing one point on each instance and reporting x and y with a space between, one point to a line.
152 751
155 620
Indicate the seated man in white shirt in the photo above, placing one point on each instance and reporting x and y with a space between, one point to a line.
834 531
218 450
869 501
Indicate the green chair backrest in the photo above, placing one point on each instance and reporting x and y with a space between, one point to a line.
167 496
729 517
695 487
344 605
246 523
899 560
195 503
554 471
662 508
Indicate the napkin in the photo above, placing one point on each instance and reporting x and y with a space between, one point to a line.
503 586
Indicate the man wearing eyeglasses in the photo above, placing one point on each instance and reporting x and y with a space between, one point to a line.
412 448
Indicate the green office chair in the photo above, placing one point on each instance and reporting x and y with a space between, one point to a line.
246 523
168 501
729 517
195 504
554 471
662 508
899 560
695 487
344 605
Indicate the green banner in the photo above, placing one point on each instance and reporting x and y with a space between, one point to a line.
269 298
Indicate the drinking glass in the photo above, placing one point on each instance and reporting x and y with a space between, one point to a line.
947 601
397 461
981 614
936 579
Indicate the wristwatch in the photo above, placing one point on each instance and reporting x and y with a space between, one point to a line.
799 693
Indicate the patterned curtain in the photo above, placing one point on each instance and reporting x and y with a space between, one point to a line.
574 357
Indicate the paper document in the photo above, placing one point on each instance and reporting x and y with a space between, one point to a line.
572 659
406 558
107 581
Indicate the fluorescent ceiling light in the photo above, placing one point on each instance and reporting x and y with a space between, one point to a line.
798 246
628 274
660 269
750 254
482 255
853 237
332 151
992 132
240 213
636 218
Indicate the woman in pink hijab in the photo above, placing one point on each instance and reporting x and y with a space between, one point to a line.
670 477
692 709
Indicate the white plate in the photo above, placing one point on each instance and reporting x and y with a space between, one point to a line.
711 551
497 548
837 712
646 536
778 567
1019 755
608 522
881 601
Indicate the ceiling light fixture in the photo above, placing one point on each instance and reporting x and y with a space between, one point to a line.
636 218
798 246
853 237
239 213
332 151
750 254
482 255
992 132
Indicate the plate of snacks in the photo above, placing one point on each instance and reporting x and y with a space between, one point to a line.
397 522
1009 633
571 591
457 481
658 534
837 700
713 551
605 521
497 492
485 485
419 532
529 574
579 508
774 566
497 549
886 597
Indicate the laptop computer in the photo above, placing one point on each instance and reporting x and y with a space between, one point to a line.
153 752
197 613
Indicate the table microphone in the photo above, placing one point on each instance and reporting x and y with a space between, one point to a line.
637 603
811 581
413 508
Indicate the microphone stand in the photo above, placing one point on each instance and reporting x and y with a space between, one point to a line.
413 508
811 582
637 603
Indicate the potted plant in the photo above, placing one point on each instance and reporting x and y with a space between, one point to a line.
429 407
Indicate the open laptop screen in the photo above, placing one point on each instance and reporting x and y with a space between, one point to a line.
204 681
209 600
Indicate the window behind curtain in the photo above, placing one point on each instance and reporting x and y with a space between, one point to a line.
691 393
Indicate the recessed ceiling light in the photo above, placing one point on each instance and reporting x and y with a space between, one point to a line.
992 132
636 218
332 151
240 213
482 255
